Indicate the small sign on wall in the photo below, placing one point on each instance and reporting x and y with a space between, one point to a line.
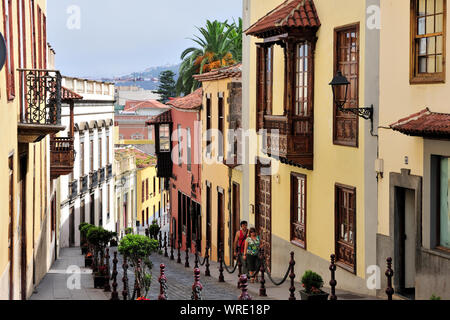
2 51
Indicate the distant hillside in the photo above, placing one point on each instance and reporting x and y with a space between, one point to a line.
147 79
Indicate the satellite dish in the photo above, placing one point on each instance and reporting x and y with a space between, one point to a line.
2 51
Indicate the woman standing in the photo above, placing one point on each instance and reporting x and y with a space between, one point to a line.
251 254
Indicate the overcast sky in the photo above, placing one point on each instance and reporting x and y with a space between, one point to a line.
115 37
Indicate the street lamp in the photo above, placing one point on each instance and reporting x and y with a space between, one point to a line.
340 82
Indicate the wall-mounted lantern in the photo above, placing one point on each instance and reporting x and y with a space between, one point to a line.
340 84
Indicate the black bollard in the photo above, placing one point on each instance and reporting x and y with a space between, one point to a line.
244 288
333 281
197 286
207 271
292 277
221 278
171 248
114 293
107 287
179 252
389 274
162 283
262 289
186 263
165 245
125 279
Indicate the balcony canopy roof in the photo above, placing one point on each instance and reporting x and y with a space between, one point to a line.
69 95
290 15
425 124
234 71
163 118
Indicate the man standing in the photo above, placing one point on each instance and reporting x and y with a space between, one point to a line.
239 244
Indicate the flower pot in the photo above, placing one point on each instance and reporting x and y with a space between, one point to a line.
88 262
99 282
322 296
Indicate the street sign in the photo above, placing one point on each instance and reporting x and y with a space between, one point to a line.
2 51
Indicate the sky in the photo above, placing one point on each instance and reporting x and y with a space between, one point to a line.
105 38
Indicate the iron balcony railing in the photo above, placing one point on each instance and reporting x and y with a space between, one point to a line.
102 175
84 182
109 171
42 97
93 179
73 189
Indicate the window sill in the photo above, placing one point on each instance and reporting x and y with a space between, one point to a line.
438 251
299 244
427 79
346 267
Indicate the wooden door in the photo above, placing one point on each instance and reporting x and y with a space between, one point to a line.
220 221
236 209
264 212
208 215
23 208
345 232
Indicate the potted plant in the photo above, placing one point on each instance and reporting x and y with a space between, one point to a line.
100 277
154 230
312 284
83 240
138 248
88 260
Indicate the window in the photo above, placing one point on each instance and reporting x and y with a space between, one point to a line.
146 189
265 82
189 146
107 149
33 34
345 125
143 192
208 126
345 227
9 64
44 41
221 126
180 146
428 41
100 153
444 204
298 209
107 201
164 138
154 186
82 158
39 26
302 83
91 156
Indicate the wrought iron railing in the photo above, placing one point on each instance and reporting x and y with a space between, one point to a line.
109 171
73 189
84 181
102 175
93 179
42 97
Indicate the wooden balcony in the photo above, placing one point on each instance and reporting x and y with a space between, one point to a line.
40 112
62 156
164 165
290 140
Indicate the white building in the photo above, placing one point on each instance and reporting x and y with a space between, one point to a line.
87 195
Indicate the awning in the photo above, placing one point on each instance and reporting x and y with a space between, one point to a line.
425 124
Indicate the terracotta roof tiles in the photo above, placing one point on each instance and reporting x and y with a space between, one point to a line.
424 124
133 105
192 101
290 14
234 71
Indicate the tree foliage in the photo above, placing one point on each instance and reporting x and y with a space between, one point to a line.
167 86
219 45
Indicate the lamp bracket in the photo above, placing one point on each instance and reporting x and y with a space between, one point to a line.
366 113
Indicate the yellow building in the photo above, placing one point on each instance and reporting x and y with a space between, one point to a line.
28 233
221 171
316 193
413 210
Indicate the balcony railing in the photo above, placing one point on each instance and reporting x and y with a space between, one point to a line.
102 174
84 181
93 177
62 156
40 112
109 172
290 139
73 189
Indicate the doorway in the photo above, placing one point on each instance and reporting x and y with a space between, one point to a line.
264 211
11 227
71 227
220 222
405 241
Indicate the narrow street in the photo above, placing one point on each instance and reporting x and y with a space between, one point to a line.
54 286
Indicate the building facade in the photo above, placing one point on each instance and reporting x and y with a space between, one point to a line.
125 190
87 193
30 97
312 187
413 214
221 168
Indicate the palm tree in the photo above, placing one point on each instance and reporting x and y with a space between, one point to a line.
219 47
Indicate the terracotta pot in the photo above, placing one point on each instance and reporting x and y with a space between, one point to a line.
99 282
322 296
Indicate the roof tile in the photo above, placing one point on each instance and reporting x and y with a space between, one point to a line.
424 124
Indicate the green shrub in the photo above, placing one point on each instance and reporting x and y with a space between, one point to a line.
435 298
312 282
154 230
129 230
